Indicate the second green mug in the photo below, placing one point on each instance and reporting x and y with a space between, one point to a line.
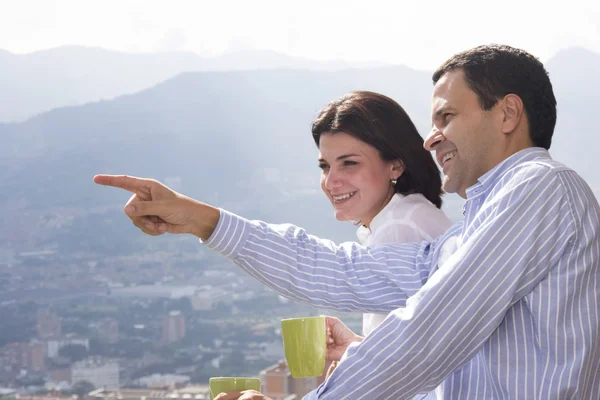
227 384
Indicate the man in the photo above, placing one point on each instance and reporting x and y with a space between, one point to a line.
504 305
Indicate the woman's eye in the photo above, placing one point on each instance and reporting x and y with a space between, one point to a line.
348 162
323 166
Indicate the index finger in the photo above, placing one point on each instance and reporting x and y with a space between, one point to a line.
126 182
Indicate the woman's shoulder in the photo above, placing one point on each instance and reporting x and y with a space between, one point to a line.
421 212
404 205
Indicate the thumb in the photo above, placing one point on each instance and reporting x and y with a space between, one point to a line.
145 208
330 322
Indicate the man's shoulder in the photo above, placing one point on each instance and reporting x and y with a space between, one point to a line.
543 175
543 162
531 175
537 168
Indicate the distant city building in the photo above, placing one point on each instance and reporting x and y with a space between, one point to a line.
59 375
20 396
48 325
192 392
100 373
53 346
28 356
166 381
276 381
278 384
36 356
128 394
11 355
173 327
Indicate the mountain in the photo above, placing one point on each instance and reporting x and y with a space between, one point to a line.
237 139
73 75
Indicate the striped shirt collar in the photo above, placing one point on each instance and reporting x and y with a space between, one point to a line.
488 180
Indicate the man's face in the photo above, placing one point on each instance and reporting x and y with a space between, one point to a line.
462 133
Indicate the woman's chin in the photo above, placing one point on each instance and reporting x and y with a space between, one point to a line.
341 216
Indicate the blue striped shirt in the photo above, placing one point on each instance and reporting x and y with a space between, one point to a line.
512 312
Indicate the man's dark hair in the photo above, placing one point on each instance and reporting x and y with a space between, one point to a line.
493 71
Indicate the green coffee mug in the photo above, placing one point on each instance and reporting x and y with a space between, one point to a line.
304 342
226 384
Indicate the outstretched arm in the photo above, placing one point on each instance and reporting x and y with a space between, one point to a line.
284 257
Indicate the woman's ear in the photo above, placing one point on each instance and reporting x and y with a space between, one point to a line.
397 170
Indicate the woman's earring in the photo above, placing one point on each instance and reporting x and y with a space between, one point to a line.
394 182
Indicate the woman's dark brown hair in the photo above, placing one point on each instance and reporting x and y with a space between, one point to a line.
382 123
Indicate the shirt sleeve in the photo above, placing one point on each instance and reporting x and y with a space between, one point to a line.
302 267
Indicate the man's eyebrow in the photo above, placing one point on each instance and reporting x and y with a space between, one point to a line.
442 110
439 113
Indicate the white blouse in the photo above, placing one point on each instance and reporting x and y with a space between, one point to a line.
406 219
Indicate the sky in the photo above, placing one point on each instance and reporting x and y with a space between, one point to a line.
420 34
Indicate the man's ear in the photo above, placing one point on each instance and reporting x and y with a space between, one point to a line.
512 110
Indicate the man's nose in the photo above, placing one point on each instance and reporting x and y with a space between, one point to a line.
434 138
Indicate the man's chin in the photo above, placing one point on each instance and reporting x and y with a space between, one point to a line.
448 186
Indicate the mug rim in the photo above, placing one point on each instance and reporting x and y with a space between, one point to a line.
303 318
234 377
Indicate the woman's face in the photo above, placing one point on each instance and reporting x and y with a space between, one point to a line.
354 177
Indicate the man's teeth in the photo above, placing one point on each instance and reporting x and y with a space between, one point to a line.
448 156
343 197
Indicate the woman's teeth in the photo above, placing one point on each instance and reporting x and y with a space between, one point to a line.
343 197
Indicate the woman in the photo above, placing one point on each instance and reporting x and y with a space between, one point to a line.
377 174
